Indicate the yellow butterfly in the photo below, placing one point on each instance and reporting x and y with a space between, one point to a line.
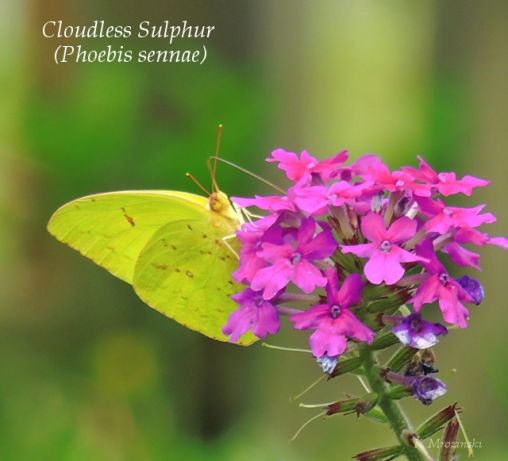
177 249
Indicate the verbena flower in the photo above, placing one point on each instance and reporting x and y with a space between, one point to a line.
304 167
293 260
427 388
377 231
385 250
424 388
333 321
438 285
255 313
414 331
445 183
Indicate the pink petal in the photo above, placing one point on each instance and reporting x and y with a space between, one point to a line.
311 317
405 256
350 293
471 236
325 340
295 168
429 206
239 322
306 276
383 267
321 247
452 309
353 328
268 321
271 279
332 287
461 256
430 261
499 241
450 185
373 227
401 230
272 253
365 163
311 199
427 292
427 171
272 202
439 223
248 268
363 250
306 231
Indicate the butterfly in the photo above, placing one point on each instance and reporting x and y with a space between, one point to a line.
177 249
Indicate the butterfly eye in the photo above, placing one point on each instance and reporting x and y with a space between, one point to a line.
216 202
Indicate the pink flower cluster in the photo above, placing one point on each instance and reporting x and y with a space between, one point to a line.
341 231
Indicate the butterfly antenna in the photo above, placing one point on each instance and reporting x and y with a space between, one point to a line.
195 181
213 172
250 173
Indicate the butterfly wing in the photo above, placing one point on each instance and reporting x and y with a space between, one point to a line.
112 228
184 272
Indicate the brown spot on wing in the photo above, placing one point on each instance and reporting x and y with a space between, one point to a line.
129 219
189 227
189 274
161 267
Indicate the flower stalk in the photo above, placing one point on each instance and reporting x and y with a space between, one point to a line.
392 410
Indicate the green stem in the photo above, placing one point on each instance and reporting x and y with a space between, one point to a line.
398 420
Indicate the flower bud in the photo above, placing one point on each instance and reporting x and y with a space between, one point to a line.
437 421
473 288
360 406
448 447
427 388
346 366
423 388
379 454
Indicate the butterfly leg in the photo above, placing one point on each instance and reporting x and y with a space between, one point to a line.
245 214
228 246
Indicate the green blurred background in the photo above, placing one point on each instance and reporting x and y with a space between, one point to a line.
87 372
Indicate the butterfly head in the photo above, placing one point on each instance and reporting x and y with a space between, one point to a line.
219 203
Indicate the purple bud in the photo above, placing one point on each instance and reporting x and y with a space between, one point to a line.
327 364
427 388
473 288
415 332
424 388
